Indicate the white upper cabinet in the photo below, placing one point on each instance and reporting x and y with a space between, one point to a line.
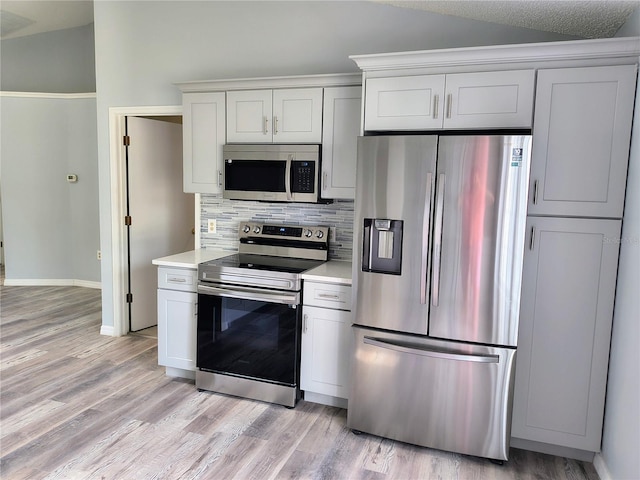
275 116
454 101
582 130
404 103
489 100
203 134
340 130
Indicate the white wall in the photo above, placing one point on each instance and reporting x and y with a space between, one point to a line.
621 436
144 47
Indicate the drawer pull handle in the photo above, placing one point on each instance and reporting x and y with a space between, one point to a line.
177 280
329 296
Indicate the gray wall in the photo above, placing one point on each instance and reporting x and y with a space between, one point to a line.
143 48
61 62
50 226
621 438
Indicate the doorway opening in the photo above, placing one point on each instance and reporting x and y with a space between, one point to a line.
148 198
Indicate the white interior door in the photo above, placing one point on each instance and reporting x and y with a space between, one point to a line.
162 215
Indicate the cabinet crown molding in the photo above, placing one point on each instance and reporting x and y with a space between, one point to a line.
609 49
299 81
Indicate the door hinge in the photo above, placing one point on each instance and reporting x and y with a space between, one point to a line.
126 140
127 220
129 297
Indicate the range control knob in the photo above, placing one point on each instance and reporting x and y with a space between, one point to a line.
256 229
308 233
319 234
246 229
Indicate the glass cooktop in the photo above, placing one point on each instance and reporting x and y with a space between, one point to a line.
265 262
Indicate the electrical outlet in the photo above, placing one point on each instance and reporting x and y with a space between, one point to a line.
211 225
99 255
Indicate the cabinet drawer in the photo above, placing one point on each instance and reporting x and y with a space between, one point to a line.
177 279
327 295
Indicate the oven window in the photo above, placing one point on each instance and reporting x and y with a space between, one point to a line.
248 338
255 175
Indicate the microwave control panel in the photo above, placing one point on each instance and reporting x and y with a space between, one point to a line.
303 177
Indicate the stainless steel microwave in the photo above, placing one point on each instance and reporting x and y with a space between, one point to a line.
272 172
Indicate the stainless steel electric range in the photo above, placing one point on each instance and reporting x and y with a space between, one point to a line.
250 315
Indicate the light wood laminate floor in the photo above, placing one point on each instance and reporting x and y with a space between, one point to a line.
79 405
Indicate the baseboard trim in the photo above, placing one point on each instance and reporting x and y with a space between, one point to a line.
601 467
107 330
51 282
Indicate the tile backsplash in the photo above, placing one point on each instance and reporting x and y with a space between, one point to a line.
338 216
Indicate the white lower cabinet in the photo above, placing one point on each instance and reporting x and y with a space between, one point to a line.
177 303
326 343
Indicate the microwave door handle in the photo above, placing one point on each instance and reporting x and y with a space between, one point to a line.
287 177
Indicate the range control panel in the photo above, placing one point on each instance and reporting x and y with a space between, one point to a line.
283 232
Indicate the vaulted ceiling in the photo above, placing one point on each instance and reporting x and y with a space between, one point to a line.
588 19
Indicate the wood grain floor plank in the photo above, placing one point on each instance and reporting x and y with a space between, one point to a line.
78 405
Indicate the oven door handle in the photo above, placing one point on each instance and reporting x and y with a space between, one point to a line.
285 298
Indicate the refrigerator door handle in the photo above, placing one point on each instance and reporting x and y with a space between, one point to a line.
437 246
426 227
426 352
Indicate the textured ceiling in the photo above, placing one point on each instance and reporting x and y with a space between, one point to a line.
587 19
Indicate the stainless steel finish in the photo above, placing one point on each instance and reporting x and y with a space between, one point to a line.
392 175
437 242
274 152
436 101
275 125
418 350
287 177
459 404
271 296
266 125
483 237
535 192
219 178
247 388
449 101
305 320
426 235
439 371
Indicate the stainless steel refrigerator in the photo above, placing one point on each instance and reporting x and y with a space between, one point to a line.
438 245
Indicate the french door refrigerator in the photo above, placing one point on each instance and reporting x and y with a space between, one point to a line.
438 247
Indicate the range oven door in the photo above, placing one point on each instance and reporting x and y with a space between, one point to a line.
249 333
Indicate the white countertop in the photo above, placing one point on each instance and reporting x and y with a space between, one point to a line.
191 259
333 271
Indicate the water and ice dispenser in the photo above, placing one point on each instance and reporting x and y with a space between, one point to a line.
382 246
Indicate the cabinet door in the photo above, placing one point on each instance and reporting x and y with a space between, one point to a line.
581 137
203 133
489 99
404 103
177 329
569 277
340 130
297 115
325 361
249 115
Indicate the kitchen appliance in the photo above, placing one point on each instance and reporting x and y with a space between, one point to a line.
438 248
275 173
249 312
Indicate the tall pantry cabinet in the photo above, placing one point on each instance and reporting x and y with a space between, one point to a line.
581 138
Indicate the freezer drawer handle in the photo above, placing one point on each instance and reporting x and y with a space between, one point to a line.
416 350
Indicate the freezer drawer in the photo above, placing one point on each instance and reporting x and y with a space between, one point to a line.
445 395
